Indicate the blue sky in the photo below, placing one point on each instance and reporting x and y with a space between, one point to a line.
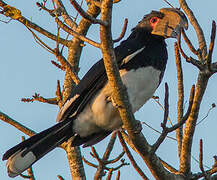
26 69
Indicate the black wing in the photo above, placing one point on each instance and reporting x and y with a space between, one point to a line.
95 79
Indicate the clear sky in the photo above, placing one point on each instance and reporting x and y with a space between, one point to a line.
26 69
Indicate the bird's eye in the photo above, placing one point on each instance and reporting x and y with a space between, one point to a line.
154 21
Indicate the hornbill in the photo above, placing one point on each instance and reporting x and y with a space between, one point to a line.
89 114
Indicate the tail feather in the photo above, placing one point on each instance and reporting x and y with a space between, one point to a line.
23 155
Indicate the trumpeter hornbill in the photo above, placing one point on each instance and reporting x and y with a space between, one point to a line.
89 114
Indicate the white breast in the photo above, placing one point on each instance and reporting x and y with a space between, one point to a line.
141 85
101 114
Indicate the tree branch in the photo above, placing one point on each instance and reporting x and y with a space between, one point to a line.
179 131
16 124
195 24
122 32
211 45
32 25
133 162
75 34
87 16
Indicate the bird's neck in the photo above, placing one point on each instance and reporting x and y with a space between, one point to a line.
146 38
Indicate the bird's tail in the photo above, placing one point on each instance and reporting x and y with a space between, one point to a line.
23 155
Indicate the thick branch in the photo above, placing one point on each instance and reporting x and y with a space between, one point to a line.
185 161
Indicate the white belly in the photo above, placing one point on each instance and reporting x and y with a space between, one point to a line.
141 85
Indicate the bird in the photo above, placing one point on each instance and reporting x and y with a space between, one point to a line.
89 115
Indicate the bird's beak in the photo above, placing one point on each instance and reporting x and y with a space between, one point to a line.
171 24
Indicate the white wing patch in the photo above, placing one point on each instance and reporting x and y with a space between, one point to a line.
65 107
128 58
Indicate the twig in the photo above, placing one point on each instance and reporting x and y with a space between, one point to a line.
122 32
157 100
125 148
168 166
42 6
211 45
40 42
65 64
59 94
39 98
195 24
118 175
109 174
115 159
34 26
58 65
60 177
166 106
185 117
89 163
169 137
87 16
188 42
95 154
163 125
208 172
75 34
179 131
207 114
16 124
167 130
67 19
201 157
188 59
110 146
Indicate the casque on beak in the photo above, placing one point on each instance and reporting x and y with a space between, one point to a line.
171 24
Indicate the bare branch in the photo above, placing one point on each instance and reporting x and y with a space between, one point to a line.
59 94
188 42
167 130
122 32
195 24
185 160
32 25
68 67
67 19
189 59
169 167
118 175
179 131
16 124
109 174
211 45
115 159
137 168
201 157
39 98
164 133
89 163
60 177
75 34
87 16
